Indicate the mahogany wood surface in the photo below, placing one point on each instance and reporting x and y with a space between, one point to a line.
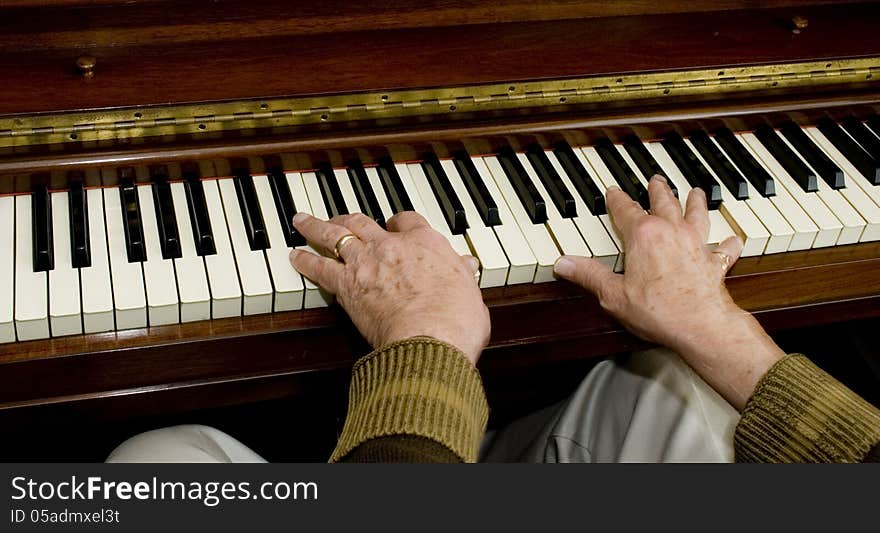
248 63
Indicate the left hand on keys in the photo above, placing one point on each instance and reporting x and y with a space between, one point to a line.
396 284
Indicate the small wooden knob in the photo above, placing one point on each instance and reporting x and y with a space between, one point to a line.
799 24
86 66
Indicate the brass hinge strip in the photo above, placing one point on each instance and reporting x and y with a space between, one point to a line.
209 118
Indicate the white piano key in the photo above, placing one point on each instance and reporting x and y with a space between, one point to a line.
376 185
163 304
31 289
348 194
286 281
7 269
432 212
410 188
602 178
192 278
223 280
254 275
523 263
65 311
564 232
537 235
97 293
829 227
482 239
129 295
307 198
753 233
863 196
853 223
719 229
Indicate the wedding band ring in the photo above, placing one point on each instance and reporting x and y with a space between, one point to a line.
725 259
337 250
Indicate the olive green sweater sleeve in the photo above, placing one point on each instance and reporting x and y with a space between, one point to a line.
417 400
799 413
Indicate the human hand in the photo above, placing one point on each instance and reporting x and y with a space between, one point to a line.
397 284
672 291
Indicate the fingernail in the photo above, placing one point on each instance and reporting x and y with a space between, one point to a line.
612 188
293 254
659 177
564 267
299 217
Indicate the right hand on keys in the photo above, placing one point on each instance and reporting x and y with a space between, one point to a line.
397 284
672 291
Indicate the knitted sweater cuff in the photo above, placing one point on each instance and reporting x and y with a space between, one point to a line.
799 413
417 387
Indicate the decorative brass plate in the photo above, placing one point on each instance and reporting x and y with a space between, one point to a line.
99 125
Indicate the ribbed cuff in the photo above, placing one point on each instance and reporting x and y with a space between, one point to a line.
417 387
799 413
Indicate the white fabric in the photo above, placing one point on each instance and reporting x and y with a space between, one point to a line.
649 407
183 444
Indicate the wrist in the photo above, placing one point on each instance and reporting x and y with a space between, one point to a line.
463 343
732 354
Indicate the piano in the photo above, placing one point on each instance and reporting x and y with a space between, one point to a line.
152 154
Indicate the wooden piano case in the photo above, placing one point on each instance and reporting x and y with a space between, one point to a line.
103 83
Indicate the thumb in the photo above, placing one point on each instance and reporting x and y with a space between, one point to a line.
728 252
586 272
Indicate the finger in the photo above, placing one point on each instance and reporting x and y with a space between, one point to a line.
731 247
623 210
324 235
322 270
696 212
471 262
663 203
363 227
591 275
406 221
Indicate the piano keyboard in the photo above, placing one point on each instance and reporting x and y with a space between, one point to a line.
88 260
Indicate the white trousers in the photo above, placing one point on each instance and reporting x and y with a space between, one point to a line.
648 407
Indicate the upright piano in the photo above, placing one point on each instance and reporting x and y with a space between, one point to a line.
152 154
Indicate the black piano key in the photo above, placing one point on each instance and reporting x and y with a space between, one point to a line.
645 161
131 220
873 123
724 169
252 216
166 220
366 198
559 193
80 247
198 215
41 218
623 175
792 164
334 202
451 206
867 140
739 154
526 191
580 178
473 182
813 155
694 171
393 186
285 207
864 163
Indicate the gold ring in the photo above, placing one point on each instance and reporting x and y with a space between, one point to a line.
725 259
337 250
